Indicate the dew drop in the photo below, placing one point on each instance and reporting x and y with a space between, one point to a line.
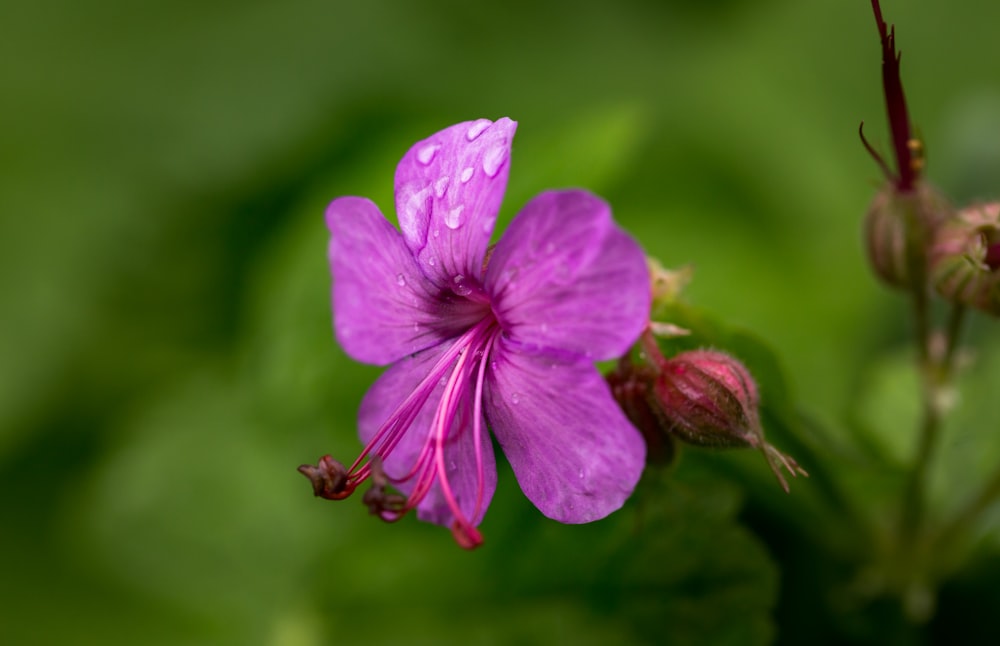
494 159
467 174
493 365
453 219
426 154
545 328
581 474
432 261
441 187
461 287
416 206
515 399
477 129
436 233
401 280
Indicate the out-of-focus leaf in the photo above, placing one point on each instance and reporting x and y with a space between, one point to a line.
646 568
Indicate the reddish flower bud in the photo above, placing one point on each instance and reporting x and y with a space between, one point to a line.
965 258
708 398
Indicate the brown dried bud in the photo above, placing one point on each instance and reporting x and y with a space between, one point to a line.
631 386
965 258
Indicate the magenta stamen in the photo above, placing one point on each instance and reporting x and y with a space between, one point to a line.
466 357
477 416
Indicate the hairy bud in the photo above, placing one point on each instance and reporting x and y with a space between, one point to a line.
708 398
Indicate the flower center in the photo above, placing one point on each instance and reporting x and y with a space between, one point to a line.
461 370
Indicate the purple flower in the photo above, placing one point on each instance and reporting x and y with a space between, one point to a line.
502 338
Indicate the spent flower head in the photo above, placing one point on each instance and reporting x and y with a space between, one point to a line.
904 213
965 258
503 339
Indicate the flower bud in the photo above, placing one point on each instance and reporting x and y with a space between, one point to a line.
898 229
708 398
965 258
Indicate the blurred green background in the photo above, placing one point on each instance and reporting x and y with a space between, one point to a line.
166 354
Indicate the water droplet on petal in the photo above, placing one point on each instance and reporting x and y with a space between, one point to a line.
453 219
416 207
493 365
436 233
494 159
515 398
441 186
461 287
581 474
467 174
432 261
401 280
426 154
477 129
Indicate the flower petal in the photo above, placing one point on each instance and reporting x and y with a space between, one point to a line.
565 277
448 192
384 308
382 400
575 455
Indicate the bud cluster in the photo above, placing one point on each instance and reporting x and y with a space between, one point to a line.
914 239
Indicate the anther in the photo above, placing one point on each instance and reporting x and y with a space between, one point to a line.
329 478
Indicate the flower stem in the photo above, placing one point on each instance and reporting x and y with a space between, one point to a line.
952 333
936 368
